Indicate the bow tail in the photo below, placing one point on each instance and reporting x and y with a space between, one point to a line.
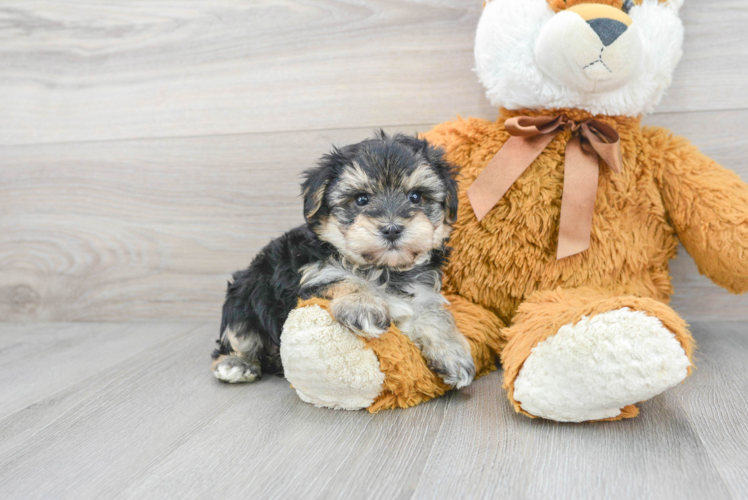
581 171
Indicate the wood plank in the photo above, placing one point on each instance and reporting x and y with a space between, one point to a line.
70 377
152 229
144 229
487 450
297 452
81 71
159 426
95 438
715 398
162 69
45 358
707 77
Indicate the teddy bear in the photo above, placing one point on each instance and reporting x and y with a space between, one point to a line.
569 211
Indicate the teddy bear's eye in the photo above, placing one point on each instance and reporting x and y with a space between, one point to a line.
627 5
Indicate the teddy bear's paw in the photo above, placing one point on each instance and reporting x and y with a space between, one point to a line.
327 363
591 370
235 370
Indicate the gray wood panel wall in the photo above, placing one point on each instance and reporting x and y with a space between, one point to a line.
150 148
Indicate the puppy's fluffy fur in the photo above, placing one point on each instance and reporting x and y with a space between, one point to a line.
378 216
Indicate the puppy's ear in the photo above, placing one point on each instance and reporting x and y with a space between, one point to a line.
318 179
447 172
381 135
313 189
413 142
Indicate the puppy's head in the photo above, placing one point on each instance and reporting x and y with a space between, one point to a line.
385 202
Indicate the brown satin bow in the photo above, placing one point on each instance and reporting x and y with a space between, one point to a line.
592 140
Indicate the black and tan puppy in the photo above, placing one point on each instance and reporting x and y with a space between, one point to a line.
378 215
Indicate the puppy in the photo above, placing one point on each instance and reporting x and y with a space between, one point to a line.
378 216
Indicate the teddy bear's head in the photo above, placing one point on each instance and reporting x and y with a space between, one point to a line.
611 57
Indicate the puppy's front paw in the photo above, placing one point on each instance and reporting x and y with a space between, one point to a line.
452 362
365 314
235 370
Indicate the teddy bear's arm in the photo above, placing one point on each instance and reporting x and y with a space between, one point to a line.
462 138
446 135
708 207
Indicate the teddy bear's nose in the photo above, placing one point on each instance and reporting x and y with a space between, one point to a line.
607 22
607 29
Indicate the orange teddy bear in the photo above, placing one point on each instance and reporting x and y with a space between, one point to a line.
569 213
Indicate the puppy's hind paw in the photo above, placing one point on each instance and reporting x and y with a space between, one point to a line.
235 370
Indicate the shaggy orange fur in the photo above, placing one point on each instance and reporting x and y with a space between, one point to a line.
506 263
509 292
665 185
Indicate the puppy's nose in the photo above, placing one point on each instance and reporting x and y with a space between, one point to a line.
391 232
607 29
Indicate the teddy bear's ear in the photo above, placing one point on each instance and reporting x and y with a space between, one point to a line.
675 4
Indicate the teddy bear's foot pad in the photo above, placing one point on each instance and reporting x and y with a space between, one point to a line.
593 369
327 363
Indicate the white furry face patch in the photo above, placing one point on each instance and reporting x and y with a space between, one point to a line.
590 56
589 47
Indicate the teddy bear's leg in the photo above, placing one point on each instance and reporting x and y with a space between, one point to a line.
585 354
331 366
328 364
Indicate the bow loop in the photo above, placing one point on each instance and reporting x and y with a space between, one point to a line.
606 142
591 139
528 126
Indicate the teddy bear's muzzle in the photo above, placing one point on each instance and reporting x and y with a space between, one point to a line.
589 47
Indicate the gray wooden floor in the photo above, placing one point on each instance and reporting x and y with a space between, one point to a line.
112 410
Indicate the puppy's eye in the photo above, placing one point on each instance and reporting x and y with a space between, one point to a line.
362 199
414 197
628 5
